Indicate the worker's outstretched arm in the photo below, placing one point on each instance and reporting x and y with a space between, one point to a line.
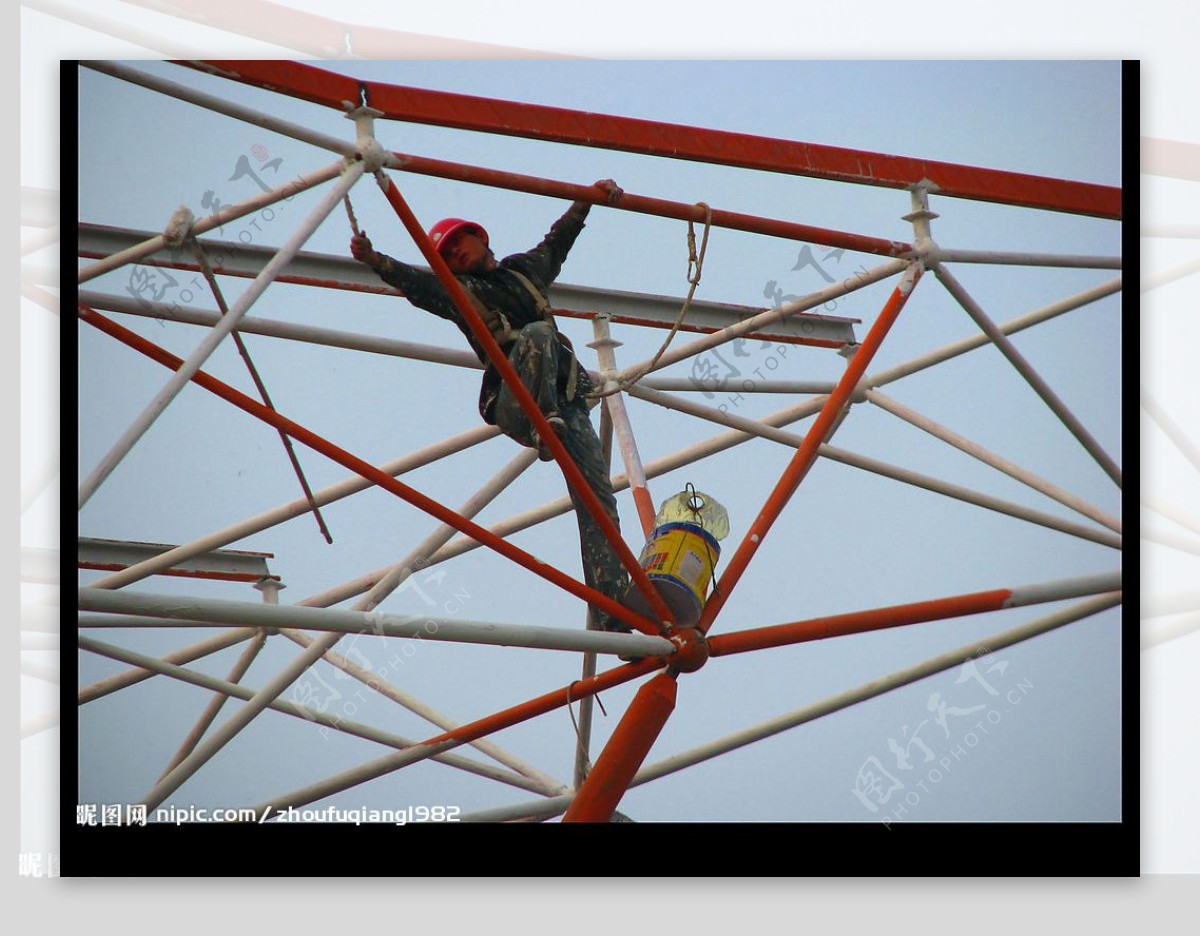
545 261
421 287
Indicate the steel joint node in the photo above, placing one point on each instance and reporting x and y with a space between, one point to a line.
691 650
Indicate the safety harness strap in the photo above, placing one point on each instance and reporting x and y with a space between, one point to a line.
497 323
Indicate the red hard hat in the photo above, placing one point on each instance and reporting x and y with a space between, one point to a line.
447 227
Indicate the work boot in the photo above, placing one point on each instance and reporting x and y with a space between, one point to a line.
559 425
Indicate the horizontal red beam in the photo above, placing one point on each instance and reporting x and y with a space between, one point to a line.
555 699
815 629
746 151
190 574
663 208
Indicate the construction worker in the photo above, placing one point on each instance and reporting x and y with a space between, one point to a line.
510 296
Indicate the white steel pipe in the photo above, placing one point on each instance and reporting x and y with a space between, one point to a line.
758 387
200 612
236 722
440 535
218 333
977 451
770 316
531 810
213 709
215 220
354 341
401 571
223 106
978 341
286 512
605 347
683 457
782 418
109 621
544 783
183 656
227 688
877 687
1028 259
1026 370
879 467
360 774
332 338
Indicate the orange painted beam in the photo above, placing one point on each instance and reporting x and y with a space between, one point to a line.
677 141
628 747
815 629
806 454
540 705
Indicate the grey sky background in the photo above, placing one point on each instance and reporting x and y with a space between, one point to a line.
847 541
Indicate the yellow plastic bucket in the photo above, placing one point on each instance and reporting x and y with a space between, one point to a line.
678 559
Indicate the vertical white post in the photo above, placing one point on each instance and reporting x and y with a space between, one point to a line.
615 402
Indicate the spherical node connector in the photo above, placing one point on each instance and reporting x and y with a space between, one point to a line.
374 157
691 650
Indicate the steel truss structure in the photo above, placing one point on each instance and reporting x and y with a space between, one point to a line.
658 646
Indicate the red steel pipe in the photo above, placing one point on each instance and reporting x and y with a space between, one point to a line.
806 454
370 472
590 686
518 389
628 747
684 211
471 732
814 629
654 138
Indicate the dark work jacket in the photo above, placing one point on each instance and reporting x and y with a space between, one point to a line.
498 289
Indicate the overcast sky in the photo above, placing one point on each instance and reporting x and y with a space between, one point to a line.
848 540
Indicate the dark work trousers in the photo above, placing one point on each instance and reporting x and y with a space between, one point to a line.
535 358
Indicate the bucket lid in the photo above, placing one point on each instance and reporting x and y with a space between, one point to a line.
695 507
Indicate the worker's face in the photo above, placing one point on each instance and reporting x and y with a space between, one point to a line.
467 252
